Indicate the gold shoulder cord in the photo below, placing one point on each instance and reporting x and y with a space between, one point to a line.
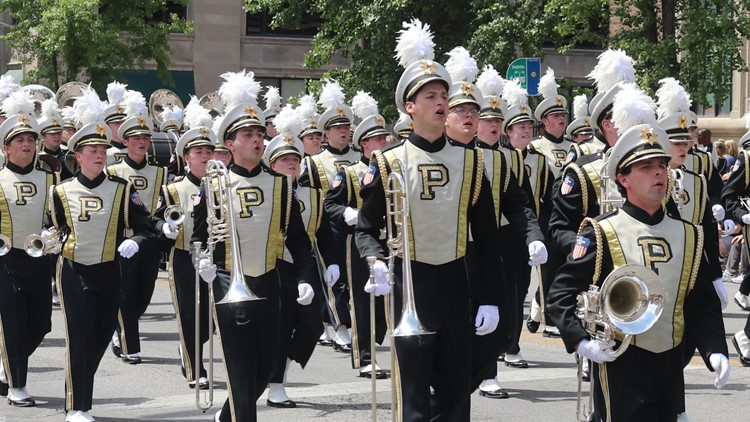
167 198
519 164
288 180
319 195
350 174
127 204
584 186
382 169
747 170
308 168
696 258
51 206
508 170
545 180
478 164
588 221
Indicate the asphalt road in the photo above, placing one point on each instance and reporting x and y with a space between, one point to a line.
328 389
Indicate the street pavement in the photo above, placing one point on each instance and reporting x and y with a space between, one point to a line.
329 390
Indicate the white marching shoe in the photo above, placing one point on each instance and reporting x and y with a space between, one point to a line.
79 416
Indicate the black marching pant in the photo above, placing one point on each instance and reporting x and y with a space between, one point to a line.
334 305
138 281
519 279
638 386
443 359
358 272
249 333
25 311
89 299
555 259
299 326
182 285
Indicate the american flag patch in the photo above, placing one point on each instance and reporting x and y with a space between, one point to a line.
369 175
582 245
336 181
568 184
197 198
136 199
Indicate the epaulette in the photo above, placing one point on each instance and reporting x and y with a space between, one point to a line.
590 158
117 179
392 146
534 146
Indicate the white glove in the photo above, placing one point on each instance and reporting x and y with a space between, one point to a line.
596 350
351 215
721 366
721 291
207 270
488 316
128 248
306 294
332 274
381 286
718 212
746 219
170 231
729 227
537 253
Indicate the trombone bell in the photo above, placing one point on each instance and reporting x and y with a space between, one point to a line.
5 244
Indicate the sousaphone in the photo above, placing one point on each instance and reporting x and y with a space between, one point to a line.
213 103
160 100
67 93
39 93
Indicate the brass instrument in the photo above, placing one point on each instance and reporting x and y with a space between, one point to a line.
221 228
397 220
745 201
213 103
39 93
606 204
67 93
48 162
160 100
174 215
203 403
5 245
678 190
630 301
37 245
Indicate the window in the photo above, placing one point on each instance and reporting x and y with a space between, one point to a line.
714 109
259 24
170 8
288 88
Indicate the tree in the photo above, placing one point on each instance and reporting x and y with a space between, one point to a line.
93 39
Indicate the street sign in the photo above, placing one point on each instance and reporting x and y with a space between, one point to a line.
527 70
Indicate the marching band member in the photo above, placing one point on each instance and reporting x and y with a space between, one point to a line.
311 136
195 147
94 210
265 219
138 275
272 98
50 127
25 295
640 383
451 179
342 204
114 115
552 112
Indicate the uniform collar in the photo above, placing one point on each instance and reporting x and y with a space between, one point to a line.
116 144
52 153
91 184
553 139
481 144
471 145
364 160
193 179
20 170
642 215
426 145
335 151
137 166
242 171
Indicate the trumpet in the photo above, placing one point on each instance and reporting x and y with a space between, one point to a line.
5 245
48 242
397 220
221 228
678 190
630 301
174 215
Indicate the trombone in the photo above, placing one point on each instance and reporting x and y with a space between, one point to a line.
630 301
221 228
607 204
397 226
5 245
678 190
48 242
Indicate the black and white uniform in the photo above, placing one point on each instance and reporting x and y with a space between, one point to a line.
139 272
95 214
554 149
449 179
25 295
266 218
595 144
641 383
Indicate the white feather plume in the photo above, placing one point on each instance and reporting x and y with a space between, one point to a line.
364 105
19 102
613 66
307 107
414 43
50 108
514 93
135 104
288 123
272 97
116 92
632 107
580 107
196 115
672 97
239 88
217 124
88 107
171 113
331 96
490 82
7 86
68 114
547 84
461 66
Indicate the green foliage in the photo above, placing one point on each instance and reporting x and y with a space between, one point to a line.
91 38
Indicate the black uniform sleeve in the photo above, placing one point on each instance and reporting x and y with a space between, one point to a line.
326 242
734 188
372 215
574 277
58 219
518 211
159 215
298 243
715 185
335 204
567 210
139 218
307 178
486 237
